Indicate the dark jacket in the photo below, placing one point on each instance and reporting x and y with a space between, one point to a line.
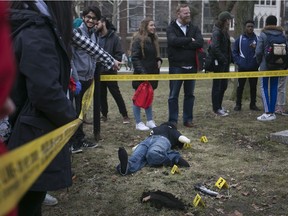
144 64
220 49
40 91
112 45
243 54
181 49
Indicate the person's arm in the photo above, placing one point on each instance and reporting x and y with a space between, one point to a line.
94 49
259 51
215 48
137 56
236 51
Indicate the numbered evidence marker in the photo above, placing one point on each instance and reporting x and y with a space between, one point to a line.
198 201
221 183
187 145
204 139
175 169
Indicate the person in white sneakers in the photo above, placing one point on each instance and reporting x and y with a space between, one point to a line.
50 200
146 60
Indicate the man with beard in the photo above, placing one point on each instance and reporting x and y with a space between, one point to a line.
183 40
110 42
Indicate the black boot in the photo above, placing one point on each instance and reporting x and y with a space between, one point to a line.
237 107
123 157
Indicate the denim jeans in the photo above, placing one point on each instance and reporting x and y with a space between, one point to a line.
153 151
137 113
188 103
269 98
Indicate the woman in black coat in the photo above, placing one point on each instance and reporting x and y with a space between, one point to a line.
146 60
40 93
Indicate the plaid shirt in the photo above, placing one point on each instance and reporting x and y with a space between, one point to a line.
92 49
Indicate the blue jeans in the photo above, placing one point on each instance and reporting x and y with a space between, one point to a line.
188 103
137 113
153 151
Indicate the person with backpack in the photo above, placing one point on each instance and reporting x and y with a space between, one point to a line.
271 54
146 60
244 57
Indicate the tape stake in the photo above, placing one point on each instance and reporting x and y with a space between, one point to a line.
203 139
198 201
221 183
175 169
187 145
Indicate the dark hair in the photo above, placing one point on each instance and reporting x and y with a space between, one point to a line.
271 20
109 25
94 10
249 21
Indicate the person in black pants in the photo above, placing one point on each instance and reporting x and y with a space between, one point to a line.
110 42
244 56
220 50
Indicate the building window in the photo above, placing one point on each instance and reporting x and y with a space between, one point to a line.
208 20
261 24
256 22
136 14
161 15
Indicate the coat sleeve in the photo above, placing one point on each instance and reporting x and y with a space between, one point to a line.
259 51
235 52
137 56
215 48
40 66
117 49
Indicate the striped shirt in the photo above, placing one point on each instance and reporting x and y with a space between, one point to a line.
92 49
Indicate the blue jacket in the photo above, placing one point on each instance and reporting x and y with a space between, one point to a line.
243 54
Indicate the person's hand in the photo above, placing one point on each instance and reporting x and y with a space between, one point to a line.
78 88
7 108
116 65
159 63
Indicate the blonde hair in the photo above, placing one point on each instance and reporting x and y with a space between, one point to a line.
143 35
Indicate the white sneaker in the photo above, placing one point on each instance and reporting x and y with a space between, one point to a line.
151 124
221 112
266 117
142 127
50 200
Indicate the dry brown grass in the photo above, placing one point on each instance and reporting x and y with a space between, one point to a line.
238 149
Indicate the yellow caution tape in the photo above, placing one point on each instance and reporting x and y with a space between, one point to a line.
195 76
20 167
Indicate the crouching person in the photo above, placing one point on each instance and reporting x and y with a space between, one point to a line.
155 150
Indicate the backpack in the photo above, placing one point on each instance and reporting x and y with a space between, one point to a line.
275 52
143 95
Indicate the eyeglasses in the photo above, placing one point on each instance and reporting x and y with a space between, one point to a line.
90 17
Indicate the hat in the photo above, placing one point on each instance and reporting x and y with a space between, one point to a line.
225 15
271 20
77 22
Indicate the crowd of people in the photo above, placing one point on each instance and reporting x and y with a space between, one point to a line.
56 64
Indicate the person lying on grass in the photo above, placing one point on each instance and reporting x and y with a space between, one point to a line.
155 150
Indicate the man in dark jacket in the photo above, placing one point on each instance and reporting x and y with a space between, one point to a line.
183 41
110 42
244 56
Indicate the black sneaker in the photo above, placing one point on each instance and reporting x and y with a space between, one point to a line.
182 163
237 108
76 150
254 107
88 144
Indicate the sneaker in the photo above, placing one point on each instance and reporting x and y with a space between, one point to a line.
142 127
278 112
267 117
88 144
237 108
182 163
151 124
50 200
254 107
76 150
224 110
126 120
285 113
103 119
221 112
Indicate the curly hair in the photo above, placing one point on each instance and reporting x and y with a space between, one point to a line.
144 36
